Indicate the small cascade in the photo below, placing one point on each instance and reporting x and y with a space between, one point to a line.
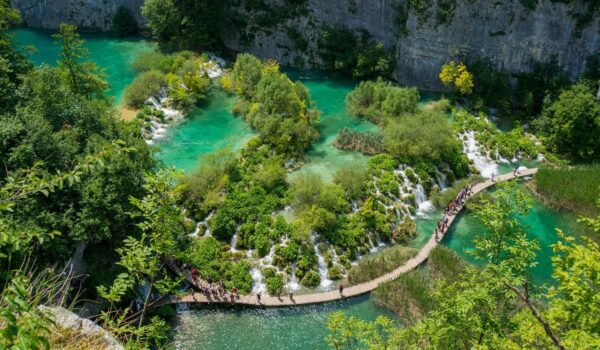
440 179
373 248
486 166
325 282
233 243
202 223
269 258
258 286
293 284
421 200
354 206
378 240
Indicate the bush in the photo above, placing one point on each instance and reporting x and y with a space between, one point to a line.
311 279
379 101
145 85
123 22
353 181
425 135
274 285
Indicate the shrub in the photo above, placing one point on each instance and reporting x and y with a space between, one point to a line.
274 284
123 22
145 85
311 279
380 100
425 135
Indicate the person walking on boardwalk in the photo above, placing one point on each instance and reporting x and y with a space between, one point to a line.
258 296
341 288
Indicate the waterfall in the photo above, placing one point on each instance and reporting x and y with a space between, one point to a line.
325 282
233 243
354 206
421 200
373 248
269 258
293 283
486 166
440 178
205 223
258 286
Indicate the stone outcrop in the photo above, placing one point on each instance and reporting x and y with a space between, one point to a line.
504 32
64 318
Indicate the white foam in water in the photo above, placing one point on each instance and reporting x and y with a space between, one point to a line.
293 284
233 243
258 285
326 283
486 166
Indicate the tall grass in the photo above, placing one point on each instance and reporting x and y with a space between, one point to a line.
410 294
379 264
576 188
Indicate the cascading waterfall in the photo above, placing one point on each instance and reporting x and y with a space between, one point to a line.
202 223
421 200
258 286
293 284
233 243
440 179
486 166
323 271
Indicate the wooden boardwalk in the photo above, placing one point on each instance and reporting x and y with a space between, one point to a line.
314 298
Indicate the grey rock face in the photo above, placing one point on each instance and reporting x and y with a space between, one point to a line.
89 14
67 319
504 32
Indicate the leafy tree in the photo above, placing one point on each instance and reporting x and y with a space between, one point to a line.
426 135
380 101
457 76
572 124
145 85
84 77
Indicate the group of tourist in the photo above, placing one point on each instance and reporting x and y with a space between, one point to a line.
452 209
212 290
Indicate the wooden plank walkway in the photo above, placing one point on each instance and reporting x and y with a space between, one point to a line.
359 289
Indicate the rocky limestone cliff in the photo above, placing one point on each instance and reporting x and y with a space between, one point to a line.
504 32
94 15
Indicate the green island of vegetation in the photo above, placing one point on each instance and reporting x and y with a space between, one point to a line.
92 222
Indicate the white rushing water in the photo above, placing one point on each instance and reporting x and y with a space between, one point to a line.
293 284
233 243
326 283
484 164
258 286
202 223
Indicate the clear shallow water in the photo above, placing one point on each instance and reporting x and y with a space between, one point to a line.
208 128
279 328
113 54
329 96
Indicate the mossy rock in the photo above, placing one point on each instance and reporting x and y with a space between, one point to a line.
335 272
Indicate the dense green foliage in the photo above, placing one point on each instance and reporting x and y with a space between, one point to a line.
186 24
571 124
182 75
279 109
364 142
572 187
354 54
123 22
425 135
380 101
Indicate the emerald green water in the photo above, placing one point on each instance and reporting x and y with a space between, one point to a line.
206 129
276 328
540 223
114 55
329 96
